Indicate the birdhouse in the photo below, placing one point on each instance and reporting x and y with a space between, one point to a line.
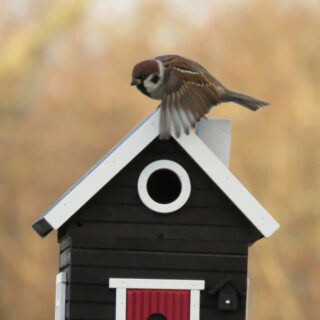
157 230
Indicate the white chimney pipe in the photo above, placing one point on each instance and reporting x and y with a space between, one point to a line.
216 134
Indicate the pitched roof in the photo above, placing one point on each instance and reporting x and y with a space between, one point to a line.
115 160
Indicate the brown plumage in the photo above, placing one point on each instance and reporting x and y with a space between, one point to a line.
187 92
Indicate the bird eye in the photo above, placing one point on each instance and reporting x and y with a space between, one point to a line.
155 78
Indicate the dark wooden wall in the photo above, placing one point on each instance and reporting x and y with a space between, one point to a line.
115 235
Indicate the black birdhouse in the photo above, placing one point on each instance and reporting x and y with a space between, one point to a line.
157 230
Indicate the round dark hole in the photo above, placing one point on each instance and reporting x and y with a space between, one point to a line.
164 186
156 316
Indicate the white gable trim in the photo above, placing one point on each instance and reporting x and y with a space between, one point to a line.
103 172
128 149
228 183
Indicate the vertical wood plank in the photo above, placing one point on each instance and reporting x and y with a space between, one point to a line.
194 305
61 283
121 304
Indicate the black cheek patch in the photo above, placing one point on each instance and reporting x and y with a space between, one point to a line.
155 78
142 88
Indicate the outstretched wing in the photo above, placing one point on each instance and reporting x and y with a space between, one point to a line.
188 96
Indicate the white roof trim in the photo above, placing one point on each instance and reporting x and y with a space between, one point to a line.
229 184
128 149
103 172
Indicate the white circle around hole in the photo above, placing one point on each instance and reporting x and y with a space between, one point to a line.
183 178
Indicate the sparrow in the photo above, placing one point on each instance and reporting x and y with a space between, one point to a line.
187 92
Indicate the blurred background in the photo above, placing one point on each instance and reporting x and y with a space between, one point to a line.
65 100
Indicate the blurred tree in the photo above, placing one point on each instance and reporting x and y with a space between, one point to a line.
22 51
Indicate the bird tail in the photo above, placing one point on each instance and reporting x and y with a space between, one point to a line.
244 100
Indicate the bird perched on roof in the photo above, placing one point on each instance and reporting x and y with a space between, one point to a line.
187 92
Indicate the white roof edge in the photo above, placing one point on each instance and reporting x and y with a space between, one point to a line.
116 159
97 177
228 183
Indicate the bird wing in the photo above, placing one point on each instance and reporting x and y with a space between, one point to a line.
188 95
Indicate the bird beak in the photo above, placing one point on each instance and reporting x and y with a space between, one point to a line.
135 82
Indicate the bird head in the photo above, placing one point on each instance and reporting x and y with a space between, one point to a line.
146 76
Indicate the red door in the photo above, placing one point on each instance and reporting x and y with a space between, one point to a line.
172 304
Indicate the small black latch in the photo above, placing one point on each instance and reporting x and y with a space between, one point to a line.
227 298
